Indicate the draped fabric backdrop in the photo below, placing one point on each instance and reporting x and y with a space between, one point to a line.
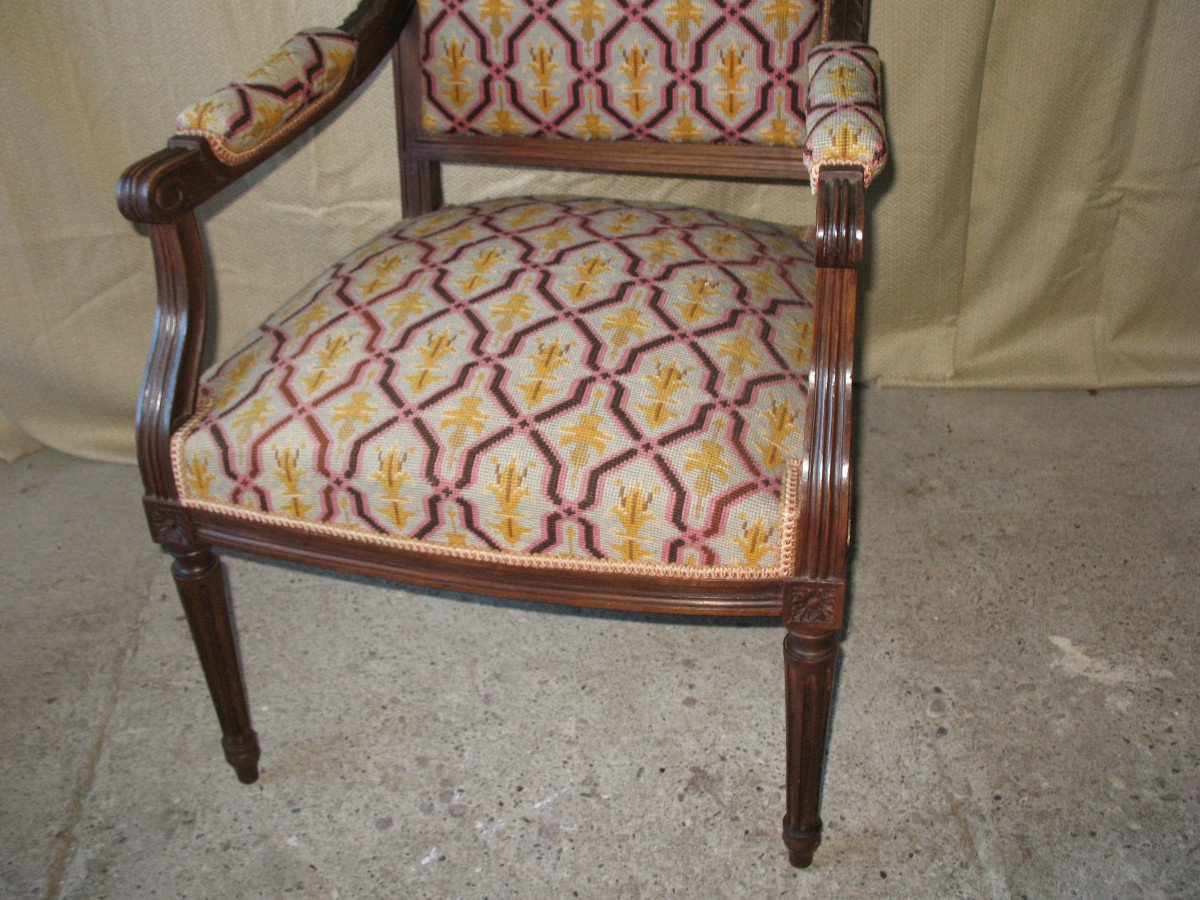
1039 224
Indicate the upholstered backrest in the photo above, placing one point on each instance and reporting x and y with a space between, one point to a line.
678 71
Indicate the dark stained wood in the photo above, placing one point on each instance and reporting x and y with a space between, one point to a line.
173 370
164 188
809 664
201 585
844 20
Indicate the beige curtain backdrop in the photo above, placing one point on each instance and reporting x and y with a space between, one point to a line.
1039 224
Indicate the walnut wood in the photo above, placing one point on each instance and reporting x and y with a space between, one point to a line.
163 189
201 585
809 663
844 20
420 179
173 370
825 482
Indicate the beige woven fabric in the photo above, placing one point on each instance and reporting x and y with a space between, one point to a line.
1036 224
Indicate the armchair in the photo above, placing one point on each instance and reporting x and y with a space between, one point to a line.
502 397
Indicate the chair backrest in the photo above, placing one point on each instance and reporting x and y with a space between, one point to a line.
700 87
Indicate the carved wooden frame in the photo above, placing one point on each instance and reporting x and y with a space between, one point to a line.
163 191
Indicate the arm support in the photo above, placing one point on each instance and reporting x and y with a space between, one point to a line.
169 184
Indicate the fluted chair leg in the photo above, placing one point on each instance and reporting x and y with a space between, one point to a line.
201 584
809 659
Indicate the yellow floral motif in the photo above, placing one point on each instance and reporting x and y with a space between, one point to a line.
587 436
731 69
665 382
383 269
357 410
586 273
684 131
502 122
543 67
709 464
780 418
280 57
785 16
234 377
437 346
197 478
624 324
455 238
633 514
507 312
845 81
555 238
304 322
268 118
496 13
391 476
754 541
763 283
636 68
801 350
541 384
588 14
572 536
202 116
484 261
288 471
695 306
845 144
779 134
684 15
593 127
253 416
454 537
327 357
508 487
525 215
465 417
337 63
456 61
740 351
660 249
400 309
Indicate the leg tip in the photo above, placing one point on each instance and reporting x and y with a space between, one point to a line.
242 753
801 859
801 843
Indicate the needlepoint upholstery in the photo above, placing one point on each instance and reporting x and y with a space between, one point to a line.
553 382
242 117
845 118
693 71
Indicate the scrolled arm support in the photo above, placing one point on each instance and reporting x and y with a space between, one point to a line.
825 484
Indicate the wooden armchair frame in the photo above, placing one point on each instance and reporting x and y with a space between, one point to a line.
163 192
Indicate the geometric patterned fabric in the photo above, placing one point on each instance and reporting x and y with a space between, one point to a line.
553 382
239 118
845 119
692 71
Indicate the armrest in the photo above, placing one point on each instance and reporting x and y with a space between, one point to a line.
243 120
844 116
225 135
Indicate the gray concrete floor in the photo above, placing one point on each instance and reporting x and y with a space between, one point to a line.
1016 715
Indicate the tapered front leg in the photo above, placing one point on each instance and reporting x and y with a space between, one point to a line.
809 658
201 584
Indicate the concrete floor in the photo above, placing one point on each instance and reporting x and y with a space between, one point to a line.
1016 716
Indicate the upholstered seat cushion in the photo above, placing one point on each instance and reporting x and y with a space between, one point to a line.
552 382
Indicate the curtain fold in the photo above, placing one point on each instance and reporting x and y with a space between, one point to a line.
1036 228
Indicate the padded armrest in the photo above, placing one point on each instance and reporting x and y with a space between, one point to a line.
845 118
248 118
